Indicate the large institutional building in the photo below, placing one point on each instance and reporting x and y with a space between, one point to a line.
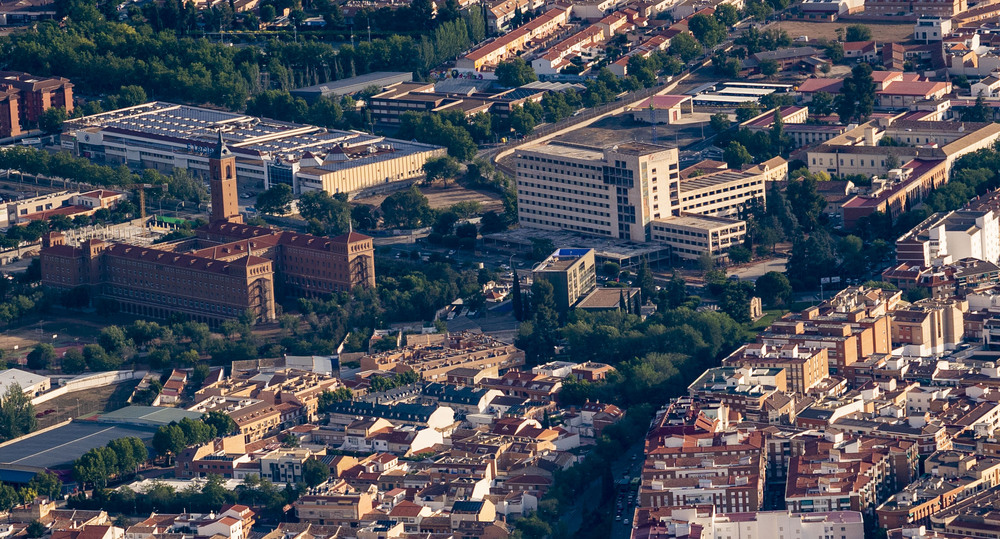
634 191
229 269
165 136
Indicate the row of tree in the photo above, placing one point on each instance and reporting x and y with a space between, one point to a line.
121 457
173 438
101 56
180 185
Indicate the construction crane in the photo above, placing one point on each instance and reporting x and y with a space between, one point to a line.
142 196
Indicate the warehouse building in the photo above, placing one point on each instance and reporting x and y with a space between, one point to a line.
165 136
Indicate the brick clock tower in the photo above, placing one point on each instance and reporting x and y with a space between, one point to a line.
222 176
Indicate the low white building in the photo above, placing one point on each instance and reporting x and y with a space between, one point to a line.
31 384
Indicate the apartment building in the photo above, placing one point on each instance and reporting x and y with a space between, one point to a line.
572 273
10 114
954 475
804 368
334 509
949 236
284 466
921 8
509 44
753 392
433 360
929 326
849 474
693 465
25 97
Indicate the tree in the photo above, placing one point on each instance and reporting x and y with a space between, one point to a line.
332 211
746 111
46 483
35 529
644 278
406 209
739 254
707 30
275 201
719 122
856 100
835 51
727 14
73 362
736 155
169 440
773 288
314 472
685 46
222 423
113 340
441 168
778 139
858 32
52 119
515 72
517 301
768 68
822 103
805 202
735 300
17 414
41 356
980 112
128 96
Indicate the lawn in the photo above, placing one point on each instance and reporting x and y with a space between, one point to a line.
770 315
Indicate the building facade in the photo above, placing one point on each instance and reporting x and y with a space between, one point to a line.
232 269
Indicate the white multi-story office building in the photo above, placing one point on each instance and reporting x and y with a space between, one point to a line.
633 191
614 192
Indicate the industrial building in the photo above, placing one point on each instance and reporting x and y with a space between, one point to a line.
165 136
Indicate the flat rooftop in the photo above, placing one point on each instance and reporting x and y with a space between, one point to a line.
606 298
566 150
198 128
356 84
698 221
62 445
696 183
152 416
604 248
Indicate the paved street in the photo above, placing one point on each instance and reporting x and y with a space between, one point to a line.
627 467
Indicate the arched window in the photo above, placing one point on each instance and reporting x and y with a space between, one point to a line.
229 172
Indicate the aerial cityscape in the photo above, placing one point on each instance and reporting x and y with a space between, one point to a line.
500 269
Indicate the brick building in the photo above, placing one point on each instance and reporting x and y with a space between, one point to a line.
24 98
228 270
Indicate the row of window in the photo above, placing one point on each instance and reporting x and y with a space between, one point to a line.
565 208
579 228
